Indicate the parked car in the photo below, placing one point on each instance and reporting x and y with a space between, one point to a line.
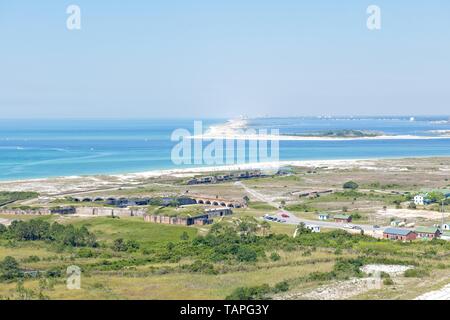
376 226
284 215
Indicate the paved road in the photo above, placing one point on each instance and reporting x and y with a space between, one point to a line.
296 220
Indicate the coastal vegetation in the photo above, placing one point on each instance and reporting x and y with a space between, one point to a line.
179 254
9 197
345 133
239 256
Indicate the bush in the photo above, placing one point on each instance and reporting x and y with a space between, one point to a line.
184 236
85 253
120 245
388 282
282 286
9 269
54 272
356 216
200 267
275 256
250 293
31 259
350 185
245 254
412 205
37 229
416 273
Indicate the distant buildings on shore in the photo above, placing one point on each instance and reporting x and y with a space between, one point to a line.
234 176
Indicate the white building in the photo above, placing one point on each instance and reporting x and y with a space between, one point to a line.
419 200
313 228
324 216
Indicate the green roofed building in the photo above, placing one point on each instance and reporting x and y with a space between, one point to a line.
427 232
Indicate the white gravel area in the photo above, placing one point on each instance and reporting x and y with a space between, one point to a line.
391 269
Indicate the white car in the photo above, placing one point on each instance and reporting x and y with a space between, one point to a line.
349 226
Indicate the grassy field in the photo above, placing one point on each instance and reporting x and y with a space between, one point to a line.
170 262
132 228
142 279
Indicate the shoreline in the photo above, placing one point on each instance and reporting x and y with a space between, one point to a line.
234 129
271 137
190 172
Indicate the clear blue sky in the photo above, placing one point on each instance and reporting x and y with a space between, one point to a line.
209 58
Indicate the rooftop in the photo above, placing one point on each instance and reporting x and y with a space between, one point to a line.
342 216
427 229
398 232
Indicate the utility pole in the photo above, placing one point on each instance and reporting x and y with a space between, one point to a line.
442 210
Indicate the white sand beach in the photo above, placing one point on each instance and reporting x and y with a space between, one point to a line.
237 129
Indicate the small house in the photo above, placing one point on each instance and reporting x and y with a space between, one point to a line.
421 199
427 232
395 223
399 234
446 226
342 218
313 228
324 216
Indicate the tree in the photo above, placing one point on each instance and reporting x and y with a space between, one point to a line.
436 196
265 226
247 226
246 199
245 254
9 269
350 185
184 236
302 229
3 229
119 245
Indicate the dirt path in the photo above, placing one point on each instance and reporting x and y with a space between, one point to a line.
442 294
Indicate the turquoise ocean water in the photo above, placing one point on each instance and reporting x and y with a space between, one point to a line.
48 148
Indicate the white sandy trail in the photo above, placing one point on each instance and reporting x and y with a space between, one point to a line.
442 294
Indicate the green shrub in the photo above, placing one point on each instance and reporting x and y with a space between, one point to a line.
200 267
9 269
245 254
275 256
281 287
250 293
416 273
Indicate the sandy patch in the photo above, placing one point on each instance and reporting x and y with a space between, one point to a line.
393 270
410 213
5 222
340 290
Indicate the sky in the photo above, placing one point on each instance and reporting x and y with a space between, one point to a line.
222 59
